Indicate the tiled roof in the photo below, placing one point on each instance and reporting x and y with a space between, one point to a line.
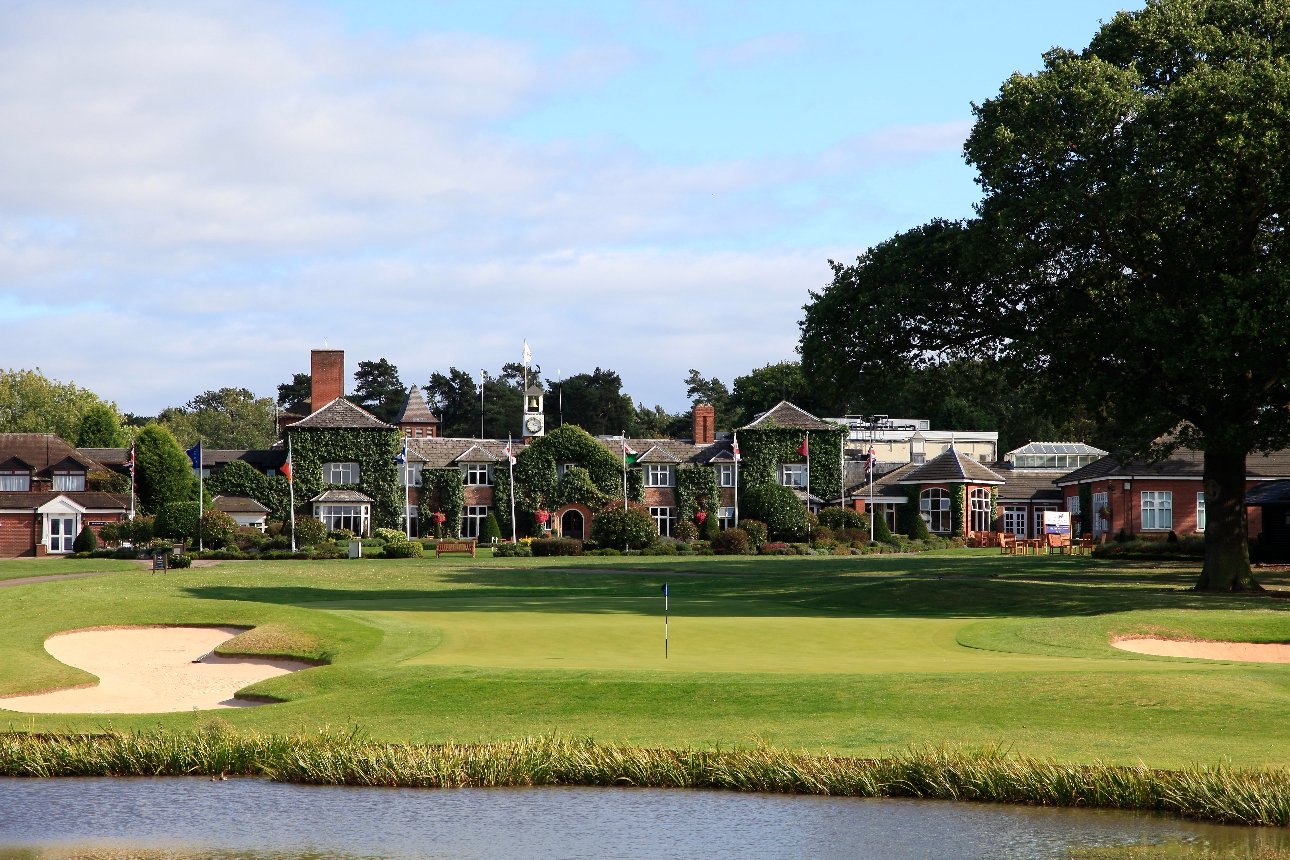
93 501
685 452
108 456
1026 484
478 454
1269 493
338 414
440 453
788 415
415 410
1179 464
42 450
658 454
341 496
951 467
239 505
885 485
262 459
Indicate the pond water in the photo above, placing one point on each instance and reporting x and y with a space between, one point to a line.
197 818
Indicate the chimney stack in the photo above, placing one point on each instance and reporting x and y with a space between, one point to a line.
328 369
705 420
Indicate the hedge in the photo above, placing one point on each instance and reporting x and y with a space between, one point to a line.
779 508
556 546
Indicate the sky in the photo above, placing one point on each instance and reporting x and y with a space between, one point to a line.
194 195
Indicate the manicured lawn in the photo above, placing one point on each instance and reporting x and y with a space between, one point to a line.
857 655
19 568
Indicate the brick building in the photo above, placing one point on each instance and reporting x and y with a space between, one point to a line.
47 495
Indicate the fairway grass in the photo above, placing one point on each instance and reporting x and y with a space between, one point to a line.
859 655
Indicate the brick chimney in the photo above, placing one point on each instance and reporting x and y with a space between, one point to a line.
328 369
705 423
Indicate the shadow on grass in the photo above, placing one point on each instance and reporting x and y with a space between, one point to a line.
918 593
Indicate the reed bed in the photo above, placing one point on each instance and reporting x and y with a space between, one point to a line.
1214 793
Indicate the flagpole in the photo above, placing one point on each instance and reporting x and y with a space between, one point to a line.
624 470
291 489
808 480
407 492
736 453
510 468
201 491
665 621
871 511
133 467
481 404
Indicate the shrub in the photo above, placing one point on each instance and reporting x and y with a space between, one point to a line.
490 531
917 528
404 549
309 531
108 482
181 561
882 533
711 528
176 520
606 552
685 531
340 535
557 546
124 554
387 535
85 541
780 509
218 528
165 474
842 518
732 542
757 533
110 533
617 527
511 550
665 547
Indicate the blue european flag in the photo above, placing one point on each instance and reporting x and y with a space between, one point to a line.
195 454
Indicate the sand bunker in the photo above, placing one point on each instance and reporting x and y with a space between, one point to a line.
1244 652
150 670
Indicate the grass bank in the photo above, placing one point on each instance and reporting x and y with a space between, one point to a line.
1219 794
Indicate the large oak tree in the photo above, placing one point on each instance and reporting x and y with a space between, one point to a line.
1130 247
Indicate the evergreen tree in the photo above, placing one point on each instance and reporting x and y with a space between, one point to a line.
164 472
379 389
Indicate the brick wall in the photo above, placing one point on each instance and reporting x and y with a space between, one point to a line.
327 367
1126 505
17 535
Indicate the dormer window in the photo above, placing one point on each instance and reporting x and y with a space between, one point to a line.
69 482
659 476
15 481
477 474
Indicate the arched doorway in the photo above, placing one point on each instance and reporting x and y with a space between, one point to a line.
571 524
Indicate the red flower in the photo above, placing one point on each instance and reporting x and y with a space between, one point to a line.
541 516
701 516
438 517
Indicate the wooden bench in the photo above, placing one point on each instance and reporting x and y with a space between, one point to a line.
454 546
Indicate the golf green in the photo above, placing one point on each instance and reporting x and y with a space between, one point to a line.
856 655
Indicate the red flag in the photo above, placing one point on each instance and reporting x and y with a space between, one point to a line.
286 467
805 451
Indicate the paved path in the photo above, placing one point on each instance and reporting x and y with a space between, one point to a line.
27 580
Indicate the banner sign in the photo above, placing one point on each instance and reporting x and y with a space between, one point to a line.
1057 522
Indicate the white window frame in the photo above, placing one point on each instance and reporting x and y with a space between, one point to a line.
663 518
15 481
725 518
1014 519
934 508
412 521
69 482
477 474
794 475
472 520
725 475
410 474
660 476
336 517
1200 512
341 474
1158 510
1040 510
979 509
1100 525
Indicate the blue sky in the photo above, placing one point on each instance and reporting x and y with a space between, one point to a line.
198 194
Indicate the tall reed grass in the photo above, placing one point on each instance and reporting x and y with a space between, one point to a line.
1215 793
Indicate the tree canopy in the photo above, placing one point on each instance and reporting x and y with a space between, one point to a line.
1129 249
379 389
299 390
454 397
594 401
30 402
227 418
164 472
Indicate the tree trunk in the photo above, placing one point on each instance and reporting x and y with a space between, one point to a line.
1227 551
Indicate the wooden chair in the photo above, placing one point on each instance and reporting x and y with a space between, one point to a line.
1059 544
1086 546
1007 544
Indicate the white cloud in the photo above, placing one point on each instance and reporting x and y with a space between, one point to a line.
194 195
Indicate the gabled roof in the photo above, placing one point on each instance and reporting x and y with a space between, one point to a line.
658 454
239 505
415 410
1180 464
340 414
70 464
91 501
951 468
441 453
1025 484
885 485
788 415
42 450
262 459
476 454
341 496
14 464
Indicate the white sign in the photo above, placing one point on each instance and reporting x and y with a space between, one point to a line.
1056 522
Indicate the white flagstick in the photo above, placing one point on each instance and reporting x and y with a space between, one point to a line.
665 621
407 492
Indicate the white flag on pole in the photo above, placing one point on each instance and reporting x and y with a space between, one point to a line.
528 356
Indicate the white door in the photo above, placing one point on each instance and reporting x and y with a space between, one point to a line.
62 533
1014 520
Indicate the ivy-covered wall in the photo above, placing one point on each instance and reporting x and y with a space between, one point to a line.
1086 508
958 504
444 491
240 478
536 477
763 448
373 450
697 490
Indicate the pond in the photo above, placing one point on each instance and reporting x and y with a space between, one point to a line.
198 818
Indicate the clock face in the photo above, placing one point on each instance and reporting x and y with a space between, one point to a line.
533 424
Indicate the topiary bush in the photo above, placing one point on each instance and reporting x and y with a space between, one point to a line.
85 541
614 526
756 530
882 533
684 530
309 531
404 549
556 546
780 509
732 542
490 531
917 527
218 528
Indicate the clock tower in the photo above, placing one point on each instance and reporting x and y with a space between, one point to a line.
534 419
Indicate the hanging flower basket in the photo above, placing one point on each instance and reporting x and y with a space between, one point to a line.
700 517
543 517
